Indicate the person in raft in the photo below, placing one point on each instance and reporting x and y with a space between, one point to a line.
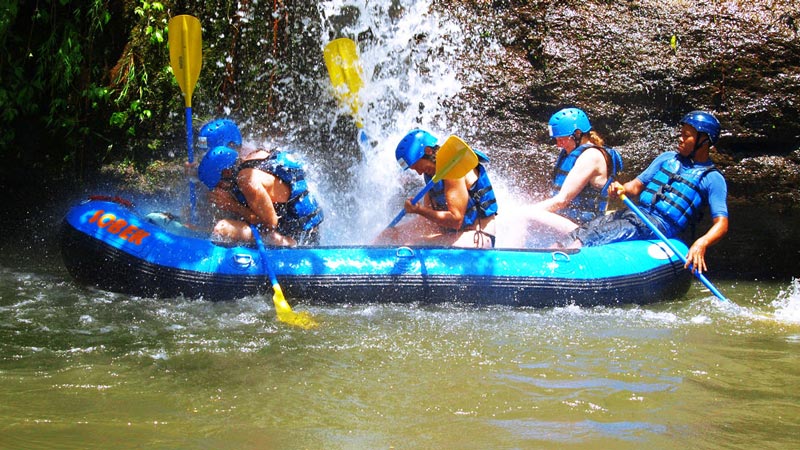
671 193
222 133
214 133
270 193
225 132
459 212
584 170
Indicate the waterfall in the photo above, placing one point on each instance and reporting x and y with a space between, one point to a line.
409 56
404 49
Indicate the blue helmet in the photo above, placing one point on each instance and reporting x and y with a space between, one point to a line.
566 121
412 147
703 122
214 162
221 132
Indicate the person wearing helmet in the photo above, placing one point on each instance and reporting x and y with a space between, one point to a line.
584 170
459 212
215 133
270 192
672 191
220 133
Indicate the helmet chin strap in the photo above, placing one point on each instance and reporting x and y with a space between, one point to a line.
698 143
576 137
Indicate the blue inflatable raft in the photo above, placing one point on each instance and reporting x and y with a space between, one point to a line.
108 245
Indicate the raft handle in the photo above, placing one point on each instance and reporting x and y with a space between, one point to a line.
404 252
243 260
564 256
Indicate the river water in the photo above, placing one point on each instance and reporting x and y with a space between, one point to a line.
82 368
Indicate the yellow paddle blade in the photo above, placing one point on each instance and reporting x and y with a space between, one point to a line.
454 159
285 313
344 69
185 52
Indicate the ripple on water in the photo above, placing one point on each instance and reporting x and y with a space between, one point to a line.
580 431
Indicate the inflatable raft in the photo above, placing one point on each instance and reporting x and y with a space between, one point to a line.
108 245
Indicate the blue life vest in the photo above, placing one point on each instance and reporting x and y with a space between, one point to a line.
674 192
482 202
591 201
301 212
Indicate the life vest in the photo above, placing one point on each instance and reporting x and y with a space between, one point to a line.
591 201
674 192
301 212
482 202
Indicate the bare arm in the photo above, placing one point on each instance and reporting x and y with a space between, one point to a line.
457 197
587 167
225 201
256 185
632 188
697 252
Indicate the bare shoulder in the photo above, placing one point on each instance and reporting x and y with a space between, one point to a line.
458 183
593 153
592 156
254 176
257 154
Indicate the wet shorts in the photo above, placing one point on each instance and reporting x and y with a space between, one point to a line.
621 225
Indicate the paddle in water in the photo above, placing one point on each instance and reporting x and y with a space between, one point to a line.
282 309
669 244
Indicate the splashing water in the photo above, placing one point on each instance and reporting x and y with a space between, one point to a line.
787 305
412 77
405 52
409 55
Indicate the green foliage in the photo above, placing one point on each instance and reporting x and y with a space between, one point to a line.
86 83
43 57
82 75
155 21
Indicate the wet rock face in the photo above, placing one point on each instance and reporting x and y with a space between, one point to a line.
636 67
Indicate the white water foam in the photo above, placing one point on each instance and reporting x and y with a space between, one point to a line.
409 55
787 305
404 87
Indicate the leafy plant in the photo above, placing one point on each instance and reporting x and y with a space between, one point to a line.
76 81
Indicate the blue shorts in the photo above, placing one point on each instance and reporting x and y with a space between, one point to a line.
621 225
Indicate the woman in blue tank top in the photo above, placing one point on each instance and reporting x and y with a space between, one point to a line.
583 171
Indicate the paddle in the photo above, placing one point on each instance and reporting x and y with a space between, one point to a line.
185 57
671 246
453 160
282 309
344 70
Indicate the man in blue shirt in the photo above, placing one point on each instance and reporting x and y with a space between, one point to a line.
671 192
